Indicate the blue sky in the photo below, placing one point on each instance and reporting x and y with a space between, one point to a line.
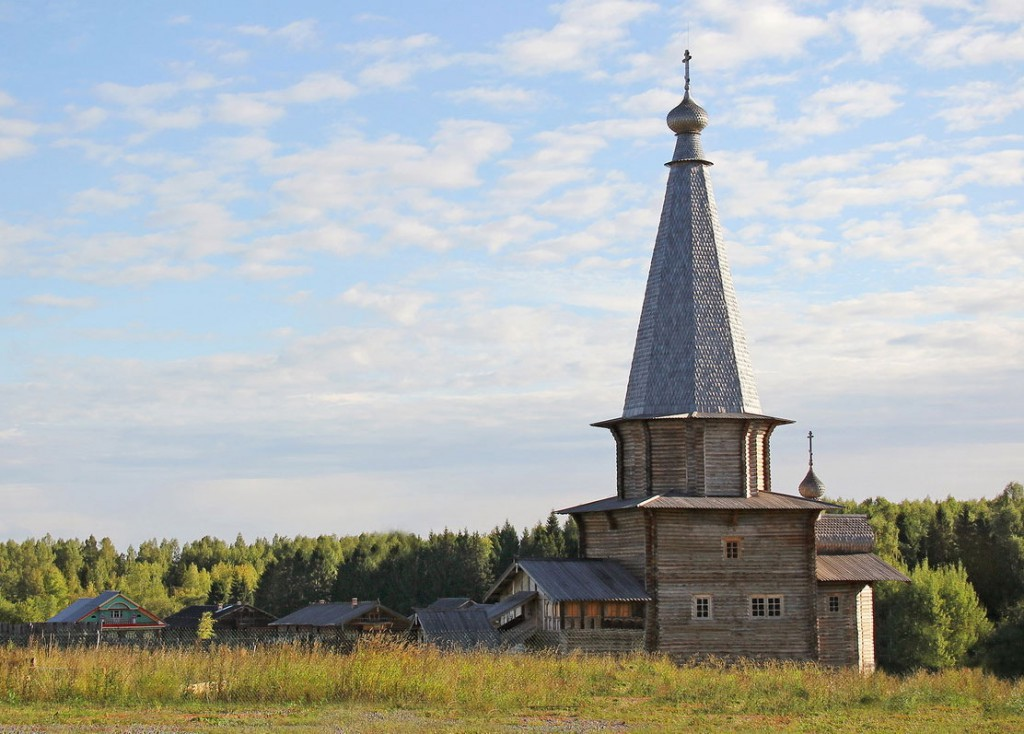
336 267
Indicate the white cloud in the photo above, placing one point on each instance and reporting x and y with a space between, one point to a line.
880 30
53 300
245 109
586 30
14 147
98 201
299 34
841 106
401 306
980 103
739 31
505 97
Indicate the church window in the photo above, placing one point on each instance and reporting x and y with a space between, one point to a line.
766 606
702 607
833 604
732 548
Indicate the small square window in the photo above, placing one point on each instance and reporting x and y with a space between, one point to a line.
732 547
833 604
702 607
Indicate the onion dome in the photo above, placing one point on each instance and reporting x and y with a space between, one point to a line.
811 487
687 117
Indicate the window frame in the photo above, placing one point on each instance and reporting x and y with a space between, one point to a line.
766 606
707 601
732 548
834 604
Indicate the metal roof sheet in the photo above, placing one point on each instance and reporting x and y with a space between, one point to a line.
507 604
580 579
83 607
856 567
450 602
333 614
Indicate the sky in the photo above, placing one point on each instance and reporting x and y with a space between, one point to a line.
340 267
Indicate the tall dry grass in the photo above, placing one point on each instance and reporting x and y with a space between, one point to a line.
401 675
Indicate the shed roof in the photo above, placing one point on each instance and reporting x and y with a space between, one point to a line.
466 627
834 534
760 501
576 579
507 604
856 567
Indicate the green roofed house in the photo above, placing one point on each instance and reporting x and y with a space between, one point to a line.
111 609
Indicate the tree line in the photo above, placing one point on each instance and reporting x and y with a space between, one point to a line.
965 558
39 577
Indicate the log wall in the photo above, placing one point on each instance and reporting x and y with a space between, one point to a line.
776 560
692 456
617 535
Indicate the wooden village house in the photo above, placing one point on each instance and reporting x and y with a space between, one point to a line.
354 616
112 610
704 554
236 616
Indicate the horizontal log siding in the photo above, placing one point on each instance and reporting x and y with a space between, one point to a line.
624 543
777 559
670 445
839 634
724 459
633 480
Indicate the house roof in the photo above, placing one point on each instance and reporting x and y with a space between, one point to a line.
577 579
495 610
450 602
856 567
83 607
760 501
189 616
835 533
335 614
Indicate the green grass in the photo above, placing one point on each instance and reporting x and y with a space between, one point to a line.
384 686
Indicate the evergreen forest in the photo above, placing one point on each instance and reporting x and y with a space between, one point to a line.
965 605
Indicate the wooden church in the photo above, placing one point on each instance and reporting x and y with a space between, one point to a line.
730 568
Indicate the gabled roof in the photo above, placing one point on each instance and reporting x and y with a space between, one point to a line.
82 608
760 501
337 614
189 616
856 567
843 534
576 579
450 602
453 622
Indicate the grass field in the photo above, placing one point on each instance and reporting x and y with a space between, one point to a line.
385 687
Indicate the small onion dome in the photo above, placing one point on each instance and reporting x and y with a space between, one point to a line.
811 487
687 117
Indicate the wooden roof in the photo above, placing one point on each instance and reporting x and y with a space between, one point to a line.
843 534
576 579
339 614
761 501
856 567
